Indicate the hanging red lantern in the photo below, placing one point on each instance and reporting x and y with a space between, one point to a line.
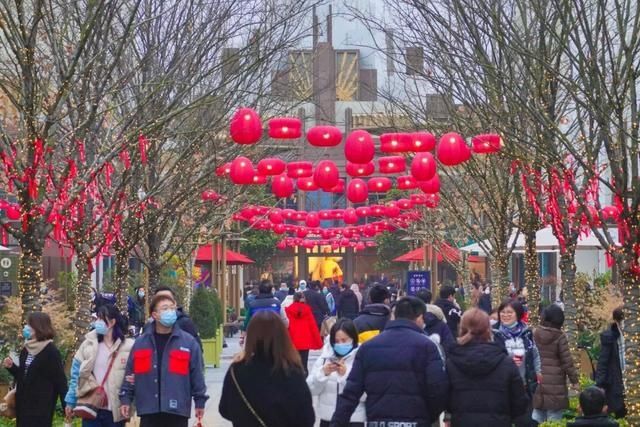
487 143
282 244
379 185
452 149
432 200
611 213
337 214
360 246
302 232
299 169
324 136
209 196
395 142
347 231
224 170
363 211
350 217
285 128
359 147
282 186
271 166
289 214
275 216
369 230
431 186
405 204
241 171
279 228
357 191
391 210
422 142
300 216
392 164
245 126
306 184
406 182
356 170
339 188
326 175
312 220
13 212
259 179
418 199
423 166
325 214
377 210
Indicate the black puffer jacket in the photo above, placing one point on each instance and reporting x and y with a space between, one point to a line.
374 317
452 313
609 372
486 388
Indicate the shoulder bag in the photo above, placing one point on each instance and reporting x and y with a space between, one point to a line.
89 404
244 398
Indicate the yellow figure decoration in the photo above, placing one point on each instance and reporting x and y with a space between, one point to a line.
325 268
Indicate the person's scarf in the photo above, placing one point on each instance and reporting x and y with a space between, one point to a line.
513 331
34 347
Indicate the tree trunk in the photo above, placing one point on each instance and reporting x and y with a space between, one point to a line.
568 278
631 292
531 270
30 278
154 263
83 299
121 277
499 285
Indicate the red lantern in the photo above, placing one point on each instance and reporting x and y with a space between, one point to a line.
337 213
300 216
611 213
350 217
339 188
262 210
432 200
360 246
379 185
299 169
406 182
289 214
312 220
245 126
242 171
418 199
363 211
356 170
285 128
224 169
431 186
209 195
325 214
275 216
392 164
271 166
395 142
282 244
377 210
278 228
423 166
487 143
302 232
357 191
259 179
326 175
452 150
369 230
405 204
306 184
422 142
359 147
391 210
324 136
282 186
13 212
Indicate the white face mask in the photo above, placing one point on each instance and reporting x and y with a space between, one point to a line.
487 291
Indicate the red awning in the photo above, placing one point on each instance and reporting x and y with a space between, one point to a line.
445 253
233 258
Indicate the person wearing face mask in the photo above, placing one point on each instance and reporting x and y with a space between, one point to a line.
100 362
39 374
328 376
514 336
136 310
164 371
612 365
401 372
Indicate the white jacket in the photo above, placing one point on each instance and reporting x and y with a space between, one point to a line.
327 388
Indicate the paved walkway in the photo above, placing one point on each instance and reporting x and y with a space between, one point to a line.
214 378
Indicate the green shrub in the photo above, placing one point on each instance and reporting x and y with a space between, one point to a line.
206 312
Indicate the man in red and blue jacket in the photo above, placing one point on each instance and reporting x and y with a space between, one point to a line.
164 371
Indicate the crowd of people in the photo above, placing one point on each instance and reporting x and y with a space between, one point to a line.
409 362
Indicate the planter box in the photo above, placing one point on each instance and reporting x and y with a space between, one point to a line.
212 348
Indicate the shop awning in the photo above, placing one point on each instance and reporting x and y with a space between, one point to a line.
444 251
204 254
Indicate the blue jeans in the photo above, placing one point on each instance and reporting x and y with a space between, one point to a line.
104 419
542 415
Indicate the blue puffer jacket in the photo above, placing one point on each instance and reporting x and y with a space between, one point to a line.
181 379
403 375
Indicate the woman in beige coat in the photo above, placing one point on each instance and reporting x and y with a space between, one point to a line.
100 362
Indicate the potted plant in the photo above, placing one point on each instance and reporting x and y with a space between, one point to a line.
206 312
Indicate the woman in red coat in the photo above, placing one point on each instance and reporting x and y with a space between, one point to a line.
302 328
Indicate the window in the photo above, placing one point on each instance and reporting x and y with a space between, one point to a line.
414 60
